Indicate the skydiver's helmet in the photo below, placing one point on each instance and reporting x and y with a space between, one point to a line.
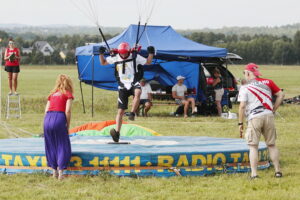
124 50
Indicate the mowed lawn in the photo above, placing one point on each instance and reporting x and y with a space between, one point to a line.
35 82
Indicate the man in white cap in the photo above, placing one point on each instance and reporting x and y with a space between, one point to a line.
256 102
146 96
179 94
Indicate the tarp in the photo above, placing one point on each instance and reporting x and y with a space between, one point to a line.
175 55
168 43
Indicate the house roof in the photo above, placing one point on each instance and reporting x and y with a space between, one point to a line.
40 44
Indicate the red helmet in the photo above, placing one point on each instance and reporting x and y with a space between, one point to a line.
123 48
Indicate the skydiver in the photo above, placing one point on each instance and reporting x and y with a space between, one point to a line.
128 72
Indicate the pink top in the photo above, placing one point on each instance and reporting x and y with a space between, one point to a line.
58 101
16 61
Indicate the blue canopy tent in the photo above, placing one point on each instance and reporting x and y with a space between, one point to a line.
175 55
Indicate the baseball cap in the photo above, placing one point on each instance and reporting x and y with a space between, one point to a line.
180 77
253 68
143 80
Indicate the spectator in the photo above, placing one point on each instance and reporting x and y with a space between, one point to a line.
146 96
256 103
56 125
218 88
12 66
179 92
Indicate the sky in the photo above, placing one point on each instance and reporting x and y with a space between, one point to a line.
180 14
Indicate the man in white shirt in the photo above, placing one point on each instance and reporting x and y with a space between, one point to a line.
256 103
128 72
179 94
146 96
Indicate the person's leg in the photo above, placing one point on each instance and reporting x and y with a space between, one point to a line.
253 157
136 99
119 118
10 75
60 174
274 155
219 107
186 107
115 133
54 173
15 82
270 138
252 136
147 107
192 101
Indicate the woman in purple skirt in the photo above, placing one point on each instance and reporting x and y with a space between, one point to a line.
56 125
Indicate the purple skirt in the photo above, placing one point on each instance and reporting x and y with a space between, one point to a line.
57 141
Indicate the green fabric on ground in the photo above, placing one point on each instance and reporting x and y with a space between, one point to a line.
126 130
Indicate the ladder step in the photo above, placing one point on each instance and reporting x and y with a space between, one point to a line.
16 116
13 101
14 108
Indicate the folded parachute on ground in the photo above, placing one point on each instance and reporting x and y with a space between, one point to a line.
128 130
93 126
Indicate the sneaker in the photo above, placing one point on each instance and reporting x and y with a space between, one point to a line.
115 135
278 175
131 116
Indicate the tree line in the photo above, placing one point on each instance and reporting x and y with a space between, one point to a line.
66 44
259 48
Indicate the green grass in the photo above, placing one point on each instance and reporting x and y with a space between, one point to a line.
34 86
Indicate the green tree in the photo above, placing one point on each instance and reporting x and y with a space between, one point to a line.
297 46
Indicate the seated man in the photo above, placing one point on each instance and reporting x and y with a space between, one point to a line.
146 96
178 93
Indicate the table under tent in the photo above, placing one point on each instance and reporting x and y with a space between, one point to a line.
175 55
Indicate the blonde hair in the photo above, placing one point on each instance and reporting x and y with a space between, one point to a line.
63 84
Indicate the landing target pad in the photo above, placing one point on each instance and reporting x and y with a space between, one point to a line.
145 156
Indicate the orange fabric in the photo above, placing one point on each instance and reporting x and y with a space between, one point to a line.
93 126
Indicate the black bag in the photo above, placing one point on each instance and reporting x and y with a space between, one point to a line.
179 110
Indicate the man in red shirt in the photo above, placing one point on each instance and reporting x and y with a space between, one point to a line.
256 103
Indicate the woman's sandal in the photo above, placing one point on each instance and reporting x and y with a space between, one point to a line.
278 174
254 177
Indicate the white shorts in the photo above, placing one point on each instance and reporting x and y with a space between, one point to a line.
219 93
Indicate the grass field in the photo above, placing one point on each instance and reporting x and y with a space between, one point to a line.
35 82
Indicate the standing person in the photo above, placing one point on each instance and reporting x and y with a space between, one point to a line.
12 66
218 88
146 96
128 72
56 125
256 102
179 92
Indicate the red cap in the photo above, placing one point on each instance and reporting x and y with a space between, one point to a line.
253 68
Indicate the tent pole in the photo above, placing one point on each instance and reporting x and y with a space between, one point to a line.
227 94
82 97
93 86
